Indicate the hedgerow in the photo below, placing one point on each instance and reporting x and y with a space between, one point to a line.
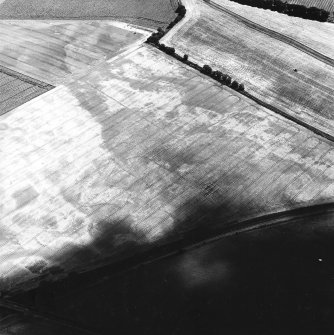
222 78
311 13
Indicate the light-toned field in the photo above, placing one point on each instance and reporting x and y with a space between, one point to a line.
150 13
139 149
324 4
264 64
314 34
53 51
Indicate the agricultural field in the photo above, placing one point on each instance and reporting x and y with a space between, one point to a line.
221 279
263 63
53 51
323 4
149 13
139 151
314 34
16 89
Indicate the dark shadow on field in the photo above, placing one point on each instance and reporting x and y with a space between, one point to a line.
269 281
117 245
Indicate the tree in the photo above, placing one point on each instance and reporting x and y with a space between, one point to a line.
282 6
162 47
216 75
234 85
228 80
185 57
219 75
207 69
323 15
177 19
314 13
241 87
278 6
170 50
171 25
181 10
154 39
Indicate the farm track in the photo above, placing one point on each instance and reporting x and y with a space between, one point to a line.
274 34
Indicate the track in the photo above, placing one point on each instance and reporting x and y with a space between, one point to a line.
327 60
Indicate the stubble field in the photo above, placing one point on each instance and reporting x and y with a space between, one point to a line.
314 34
141 150
150 13
265 65
16 89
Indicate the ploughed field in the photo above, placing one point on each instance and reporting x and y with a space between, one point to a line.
150 13
264 64
16 89
323 4
53 51
139 151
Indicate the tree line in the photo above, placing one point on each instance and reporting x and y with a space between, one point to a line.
222 78
311 13
155 37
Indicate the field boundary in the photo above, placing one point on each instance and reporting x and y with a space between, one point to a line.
25 78
260 102
289 117
241 90
224 79
83 18
288 8
278 36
